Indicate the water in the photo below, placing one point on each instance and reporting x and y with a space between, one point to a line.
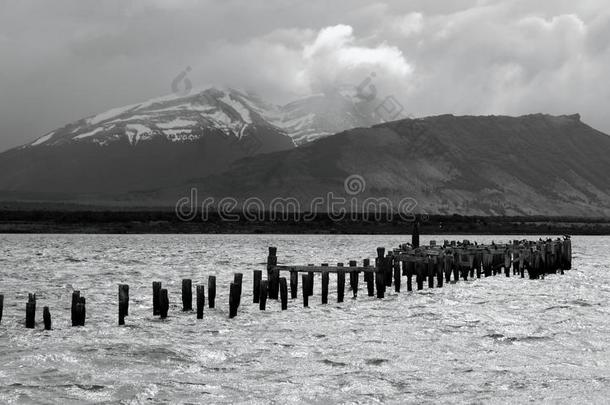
490 340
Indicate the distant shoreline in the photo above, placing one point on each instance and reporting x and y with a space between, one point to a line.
166 222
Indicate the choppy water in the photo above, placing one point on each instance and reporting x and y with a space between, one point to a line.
489 340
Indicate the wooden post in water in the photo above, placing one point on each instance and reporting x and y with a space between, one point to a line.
415 235
237 280
340 284
46 317
156 287
200 297
74 314
325 281
233 300
305 282
273 274
369 278
30 312
81 311
163 303
310 275
284 293
262 300
1 306
294 283
187 294
123 302
388 264
438 268
410 271
353 279
211 291
430 272
419 270
256 286
397 276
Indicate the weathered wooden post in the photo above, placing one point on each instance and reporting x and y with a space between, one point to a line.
353 279
74 313
237 280
211 291
419 270
340 284
156 287
305 282
163 303
81 311
397 276
46 317
388 265
415 235
294 283
200 297
438 269
30 312
1 306
284 293
262 301
256 285
310 275
369 278
507 262
233 300
430 272
410 267
273 274
325 281
187 294
123 302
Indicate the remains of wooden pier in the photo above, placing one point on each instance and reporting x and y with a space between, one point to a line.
431 265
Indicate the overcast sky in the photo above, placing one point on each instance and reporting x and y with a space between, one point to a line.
64 60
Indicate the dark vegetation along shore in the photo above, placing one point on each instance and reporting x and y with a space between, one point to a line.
166 221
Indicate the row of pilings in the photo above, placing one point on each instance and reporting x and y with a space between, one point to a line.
431 265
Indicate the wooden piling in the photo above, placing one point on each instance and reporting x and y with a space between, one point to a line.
415 235
1 306
379 283
46 317
74 314
310 283
81 311
294 284
187 294
353 279
397 277
123 302
284 293
233 300
305 282
410 272
256 285
200 298
211 291
156 287
237 279
430 272
369 279
325 281
438 268
273 274
419 271
163 303
262 300
30 312
340 286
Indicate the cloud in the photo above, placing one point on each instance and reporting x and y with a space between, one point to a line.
69 59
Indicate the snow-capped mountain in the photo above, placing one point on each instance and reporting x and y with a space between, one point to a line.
234 113
169 140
